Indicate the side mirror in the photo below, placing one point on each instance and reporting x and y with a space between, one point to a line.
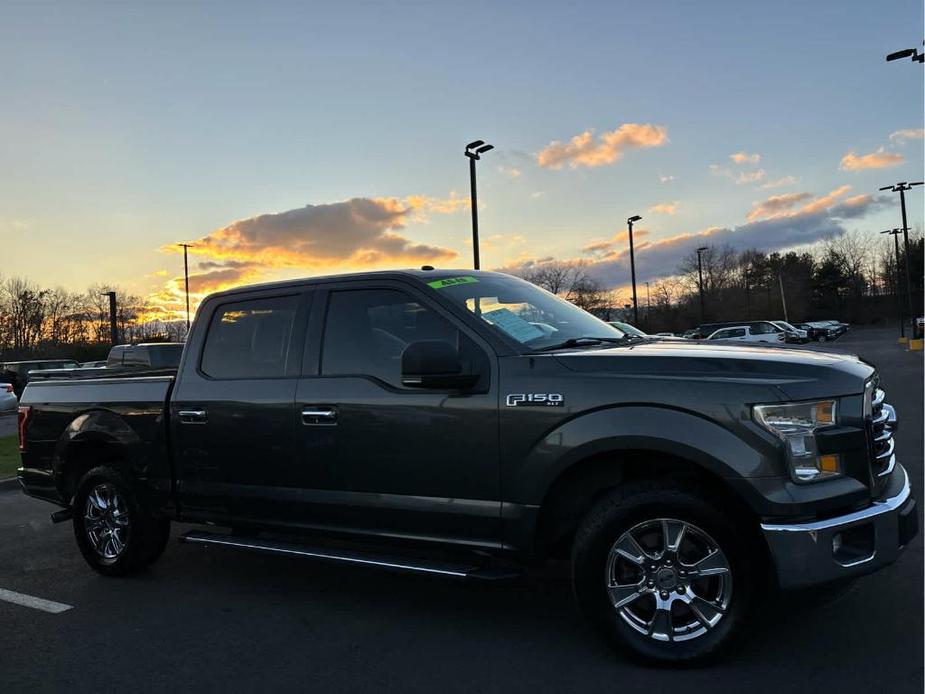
434 364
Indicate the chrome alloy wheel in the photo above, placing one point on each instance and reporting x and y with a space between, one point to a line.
668 580
106 521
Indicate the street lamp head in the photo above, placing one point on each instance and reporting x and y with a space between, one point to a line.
477 143
702 249
634 218
899 55
484 148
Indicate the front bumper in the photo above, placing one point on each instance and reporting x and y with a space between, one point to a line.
858 543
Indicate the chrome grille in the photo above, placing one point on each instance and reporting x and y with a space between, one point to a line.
882 426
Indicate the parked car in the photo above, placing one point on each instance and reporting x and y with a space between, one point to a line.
93 364
627 328
744 333
416 421
815 333
8 400
758 327
791 332
17 372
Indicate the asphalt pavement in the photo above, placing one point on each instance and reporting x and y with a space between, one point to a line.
218 619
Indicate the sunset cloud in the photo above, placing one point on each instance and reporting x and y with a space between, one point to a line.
510 171
745 158
669 208
776 205
586 150
608 261
740 177
779 182
901 136
880 159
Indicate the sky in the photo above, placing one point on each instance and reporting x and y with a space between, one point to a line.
295 139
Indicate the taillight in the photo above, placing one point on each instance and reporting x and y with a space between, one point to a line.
25 414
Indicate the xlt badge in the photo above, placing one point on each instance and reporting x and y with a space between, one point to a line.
535 399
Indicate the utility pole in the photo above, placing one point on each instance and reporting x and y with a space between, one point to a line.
783 301
901 188
473 150
186 279
899 299
748 305
629 223
648 309
700 280
113 323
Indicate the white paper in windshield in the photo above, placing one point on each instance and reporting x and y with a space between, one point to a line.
513 325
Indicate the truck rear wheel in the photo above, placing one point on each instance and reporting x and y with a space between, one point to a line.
116 534
660 571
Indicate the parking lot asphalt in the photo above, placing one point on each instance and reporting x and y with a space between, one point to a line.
217 619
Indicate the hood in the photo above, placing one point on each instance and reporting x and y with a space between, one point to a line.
799 373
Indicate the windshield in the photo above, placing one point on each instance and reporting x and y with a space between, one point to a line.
627 328
531 316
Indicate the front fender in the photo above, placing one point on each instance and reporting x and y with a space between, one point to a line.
678 433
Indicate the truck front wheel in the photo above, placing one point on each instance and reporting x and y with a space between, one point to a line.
115 532
662 572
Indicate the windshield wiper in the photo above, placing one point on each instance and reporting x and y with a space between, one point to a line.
580 342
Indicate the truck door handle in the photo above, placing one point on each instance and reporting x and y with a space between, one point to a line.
193 417
319 415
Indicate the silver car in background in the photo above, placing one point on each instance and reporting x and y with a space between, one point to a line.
9 403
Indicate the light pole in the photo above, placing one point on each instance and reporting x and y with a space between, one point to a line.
629 223
473 150
899 299
186 279
648 309
906 53
700 279
901 188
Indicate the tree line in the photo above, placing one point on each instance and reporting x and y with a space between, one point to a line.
850 277
54 323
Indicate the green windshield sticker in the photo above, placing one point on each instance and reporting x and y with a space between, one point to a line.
452 281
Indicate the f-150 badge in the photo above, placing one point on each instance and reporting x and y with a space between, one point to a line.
535 400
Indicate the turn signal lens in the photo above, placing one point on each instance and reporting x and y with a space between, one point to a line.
828 463
825 413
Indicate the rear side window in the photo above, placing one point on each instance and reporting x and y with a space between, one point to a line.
250 339
739 332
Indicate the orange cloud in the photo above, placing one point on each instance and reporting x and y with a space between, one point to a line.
875 160
615 245
740 177
776 205
900 136
585 150
777 183
669 208
745 158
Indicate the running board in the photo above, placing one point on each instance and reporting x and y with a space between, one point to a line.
342 555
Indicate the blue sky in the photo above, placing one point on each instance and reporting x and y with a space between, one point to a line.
127 127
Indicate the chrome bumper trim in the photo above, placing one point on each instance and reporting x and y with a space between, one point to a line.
875 509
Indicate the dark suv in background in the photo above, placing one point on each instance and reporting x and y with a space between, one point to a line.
17 372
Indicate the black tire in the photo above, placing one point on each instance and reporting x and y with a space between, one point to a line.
642 505
142 537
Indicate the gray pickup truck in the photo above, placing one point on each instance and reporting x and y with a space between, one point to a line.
468 424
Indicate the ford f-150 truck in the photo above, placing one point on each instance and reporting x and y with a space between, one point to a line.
468 423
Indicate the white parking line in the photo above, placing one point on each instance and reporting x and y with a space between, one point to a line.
33 602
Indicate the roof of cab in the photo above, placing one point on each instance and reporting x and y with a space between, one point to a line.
419 274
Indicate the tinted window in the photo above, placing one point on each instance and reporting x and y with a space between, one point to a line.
764 329
367 330
250 339
740 332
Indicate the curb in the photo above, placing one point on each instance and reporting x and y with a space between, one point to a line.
9 483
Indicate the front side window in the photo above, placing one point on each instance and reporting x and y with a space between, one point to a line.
522 311
250 339
366 331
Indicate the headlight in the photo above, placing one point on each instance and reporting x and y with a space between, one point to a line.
796 424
